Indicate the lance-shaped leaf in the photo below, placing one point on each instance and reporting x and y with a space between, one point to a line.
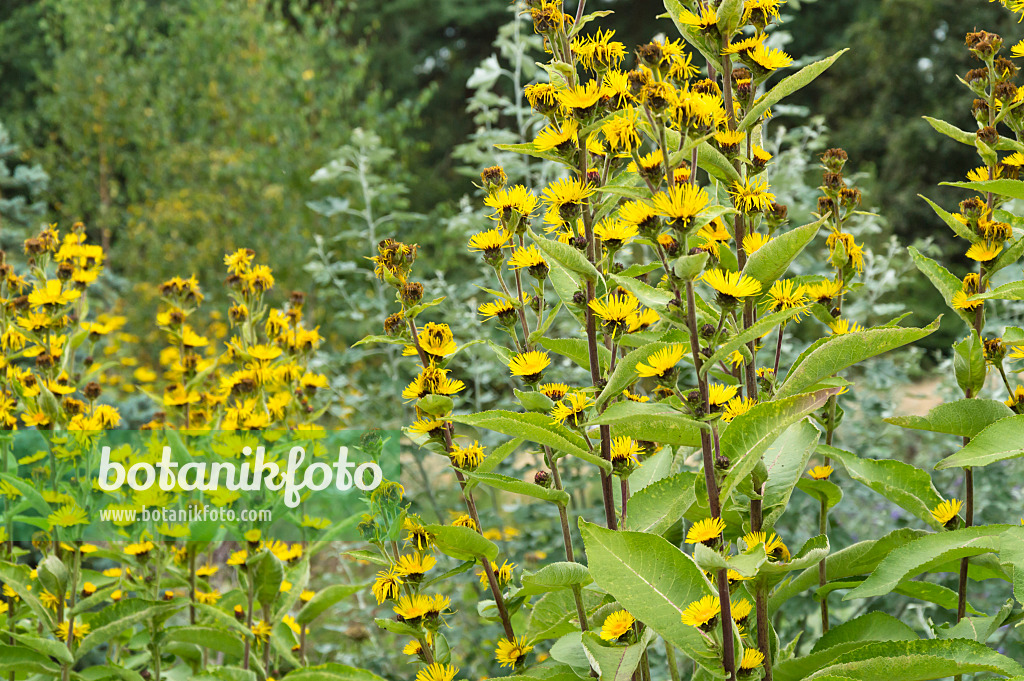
840 352
716 164
324 599
951 131
978 629
615 662
963 418
650 421
567 256
920 590
1013 189
660 505
17 660
905 485
746 564
822 490
18 578
1011 557
942 279
758 329
959 228
810 554
1002 440
119 617
331 671
771 261
553 577
462 543
785 460
916 660
577 350
1010 255
871 626
646 294
625 371
517 486
654 581
751 433
1011 291
926 553
535 428
785 88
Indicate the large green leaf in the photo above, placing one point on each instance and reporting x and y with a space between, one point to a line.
1014 290
615 662
945 282
958 227
969 364
660 505
567 256
917 589
785 460
785 88
17 660
822 490
517 486
324 599
534 427
771 261
926 553
577 350
871 626
213 638
462 543
917 661
717 165
119 617
1013 189
653 580
646 294
840 352
555 576
756 330
964 418
750 434
331 671
18 578
1002 440
905 485
654 422
1011 557
554 615
857 559
978 629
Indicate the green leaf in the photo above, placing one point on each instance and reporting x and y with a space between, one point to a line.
758 329
839 352
822 490
786 87
871 626
18 578
30 493
46 646
615 662
554 615
517 486
119 617
1011 557
688 267
717 165
553 577
646 294
969 364
811 553
1011 291
729 14
654 581
660 505
964 418
1013 189
1010 255
1002 440
213 638
771 261
436 405
15 660
535 428
951 131
324 599
917 661
625 371
534 401
266 572
857 559
332 671
959 228
462 543
746 564
978 629
577 350
654 422
53 574
751 433
497 455
905 485
785 460
944 282
567 256
920 590
528 149
927 552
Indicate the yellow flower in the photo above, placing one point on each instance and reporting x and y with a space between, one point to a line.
52 294
468 457
68 515
543 97
437 672
769 58
625 449
208 597
844 326
752 659
731 285
464 520
562 137
490 242
413 607
581 98
80 630
565 197
413 647
261 630
571 408
437 340
773 545
512 653
752 196
704 531
737 406
825 290
719 394
820 472
413 567
785 294
854 251
529 257
139 549
553 391
681 204
617 625
388 585
614 312
620 132
638 213
984 251
598 51
970 286
753 242
529 365
707 18
661 362
740 609
946 512
615 233
701 613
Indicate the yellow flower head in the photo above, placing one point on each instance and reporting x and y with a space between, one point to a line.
468 457
543 97
581 98
529 365
617 625
785 294
740 609
946 512
752 659
571 409
854 252
984 251
80 630
731 286
753 242
625 449
825 290
413 607
707 18
844 326
820 472
680 204
752 196
412 567
705 531
553 391
490 242
719 394
702 613
562 137
388 585
737 406
614 312
621 133
512 653
529 258
437 672
614 233
599 51
660 363
565 198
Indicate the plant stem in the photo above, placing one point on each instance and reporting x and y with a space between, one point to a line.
670 657
570 556
823 514
624 488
